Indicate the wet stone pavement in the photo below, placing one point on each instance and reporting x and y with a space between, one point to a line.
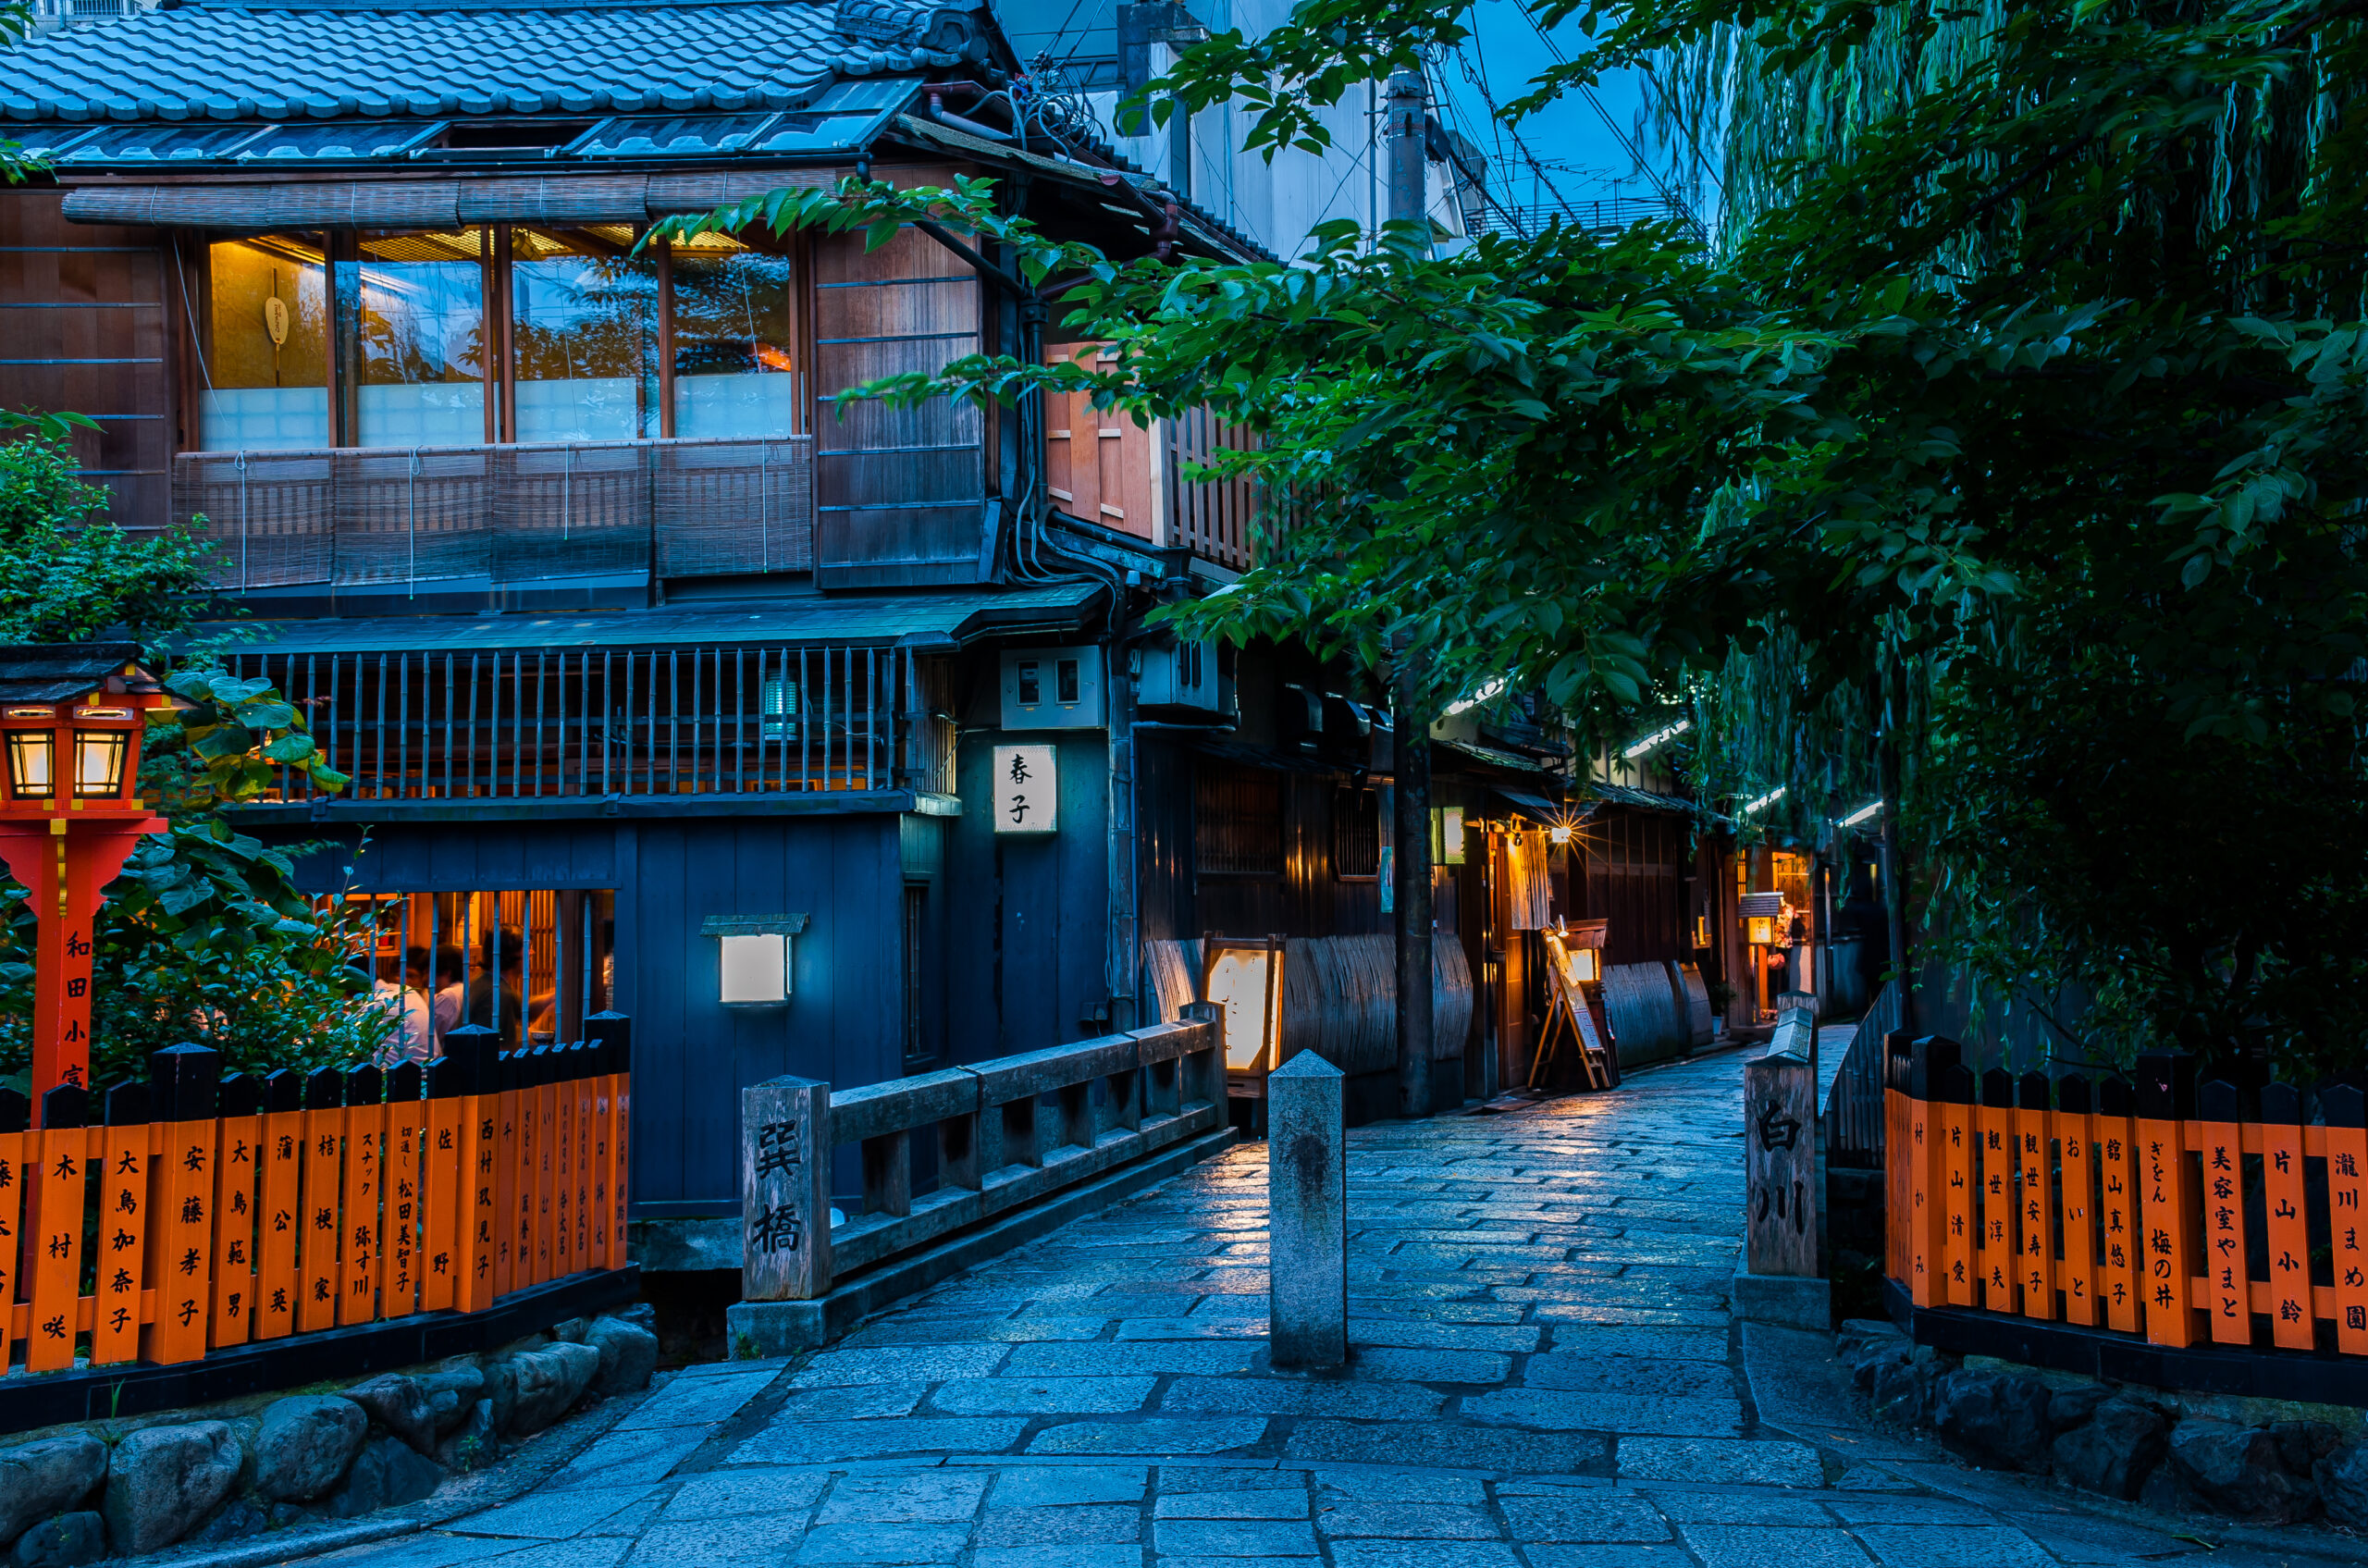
1543 1375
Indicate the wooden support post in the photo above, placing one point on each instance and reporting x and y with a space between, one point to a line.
2166 1236
1931 1058
280 1225
2077 1144
121 1261
2347 1118
57 1238
2115 1138
238 1193
785 1190
316 1215
2292 1324
1307 1214
2229 1295
183 1081
1779 1171
2034 1138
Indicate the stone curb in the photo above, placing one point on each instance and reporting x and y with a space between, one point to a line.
536 1461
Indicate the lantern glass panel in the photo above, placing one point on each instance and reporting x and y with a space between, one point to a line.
98 763
1584 962
29 763
756 968
1763 931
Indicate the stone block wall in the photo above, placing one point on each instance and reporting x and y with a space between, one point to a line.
77 1494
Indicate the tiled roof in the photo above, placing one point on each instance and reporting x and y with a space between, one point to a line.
227 63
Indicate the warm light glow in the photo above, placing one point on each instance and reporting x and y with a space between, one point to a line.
1488 691
1861 814
1586 965
1770 799
98 763
1666 734
1560 833
756 968
1762 931
29 761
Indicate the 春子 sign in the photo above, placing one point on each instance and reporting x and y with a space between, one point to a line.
1027 788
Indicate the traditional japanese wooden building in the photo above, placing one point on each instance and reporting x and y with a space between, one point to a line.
663 685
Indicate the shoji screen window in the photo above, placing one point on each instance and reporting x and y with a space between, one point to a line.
582 335
423 339
265 360
734 331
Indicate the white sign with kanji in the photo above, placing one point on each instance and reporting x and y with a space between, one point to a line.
1028 788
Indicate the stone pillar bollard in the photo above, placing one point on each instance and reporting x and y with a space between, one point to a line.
785 1190
1780 1280
1307 1214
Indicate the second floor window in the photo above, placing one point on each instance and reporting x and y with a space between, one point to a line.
500 333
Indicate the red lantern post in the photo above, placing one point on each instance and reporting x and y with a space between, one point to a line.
70 722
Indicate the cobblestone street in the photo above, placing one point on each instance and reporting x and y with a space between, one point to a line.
1544 1373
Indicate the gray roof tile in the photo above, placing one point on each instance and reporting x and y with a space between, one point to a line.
206 62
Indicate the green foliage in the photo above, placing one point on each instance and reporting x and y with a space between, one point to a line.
67 575
204 936
2014 421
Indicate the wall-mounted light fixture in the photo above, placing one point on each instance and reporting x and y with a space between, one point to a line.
754 956
1666 733
1769 799
1861 814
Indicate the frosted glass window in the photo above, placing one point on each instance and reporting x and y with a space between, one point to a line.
265 360
735 369
423 340
584 338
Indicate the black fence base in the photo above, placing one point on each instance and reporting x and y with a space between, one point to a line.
2303 1376
29 1399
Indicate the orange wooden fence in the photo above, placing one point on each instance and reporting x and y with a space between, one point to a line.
199 1212
2186 1216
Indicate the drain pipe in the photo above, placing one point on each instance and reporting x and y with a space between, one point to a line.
952 121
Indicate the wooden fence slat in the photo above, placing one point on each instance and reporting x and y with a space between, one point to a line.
560 1222
2292 1324
619 1136
516 1140
1959 1177
237 1177
15 1113
2115 1140
318 1215
2166 1098
588 1057
358 1218
121 1261
406 1133
545 1111
446 1174
1895 1136
1932 1059
2076 1138
2036 1204
185 1083
57 1198
2000 1177
2347 1118
280 1218
2229 1292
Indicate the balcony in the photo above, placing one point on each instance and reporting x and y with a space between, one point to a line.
495 518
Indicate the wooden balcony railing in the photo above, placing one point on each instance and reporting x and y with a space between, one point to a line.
501 723
500 514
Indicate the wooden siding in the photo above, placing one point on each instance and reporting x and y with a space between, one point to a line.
1630 868
900 493
1097 461
692 1055
84 330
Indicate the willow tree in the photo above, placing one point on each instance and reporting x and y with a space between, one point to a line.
2011 421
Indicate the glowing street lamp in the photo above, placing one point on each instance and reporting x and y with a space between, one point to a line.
70 722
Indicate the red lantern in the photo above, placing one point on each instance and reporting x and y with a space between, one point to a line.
71 721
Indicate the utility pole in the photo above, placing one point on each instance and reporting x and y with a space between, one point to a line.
1409 137
1411 720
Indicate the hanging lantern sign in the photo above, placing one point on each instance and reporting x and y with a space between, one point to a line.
1027 788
